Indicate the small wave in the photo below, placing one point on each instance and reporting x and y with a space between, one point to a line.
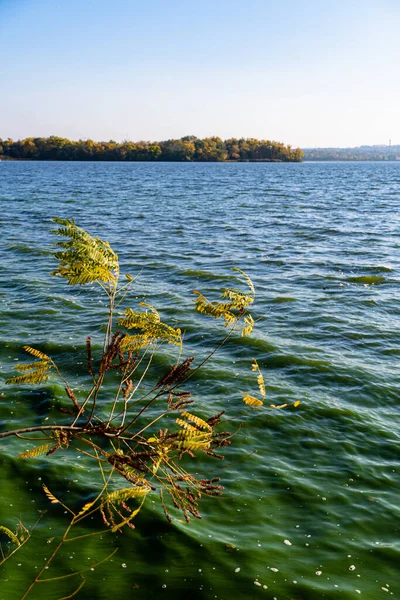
281 299
24 248
367 279
28 249
288 360
67 302
381 269
46 311
200 274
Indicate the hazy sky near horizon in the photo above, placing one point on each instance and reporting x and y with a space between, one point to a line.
305 72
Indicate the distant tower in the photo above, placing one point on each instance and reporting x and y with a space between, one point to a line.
390 143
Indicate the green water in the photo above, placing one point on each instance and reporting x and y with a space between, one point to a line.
321 244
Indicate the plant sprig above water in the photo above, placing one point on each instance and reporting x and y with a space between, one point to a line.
138 437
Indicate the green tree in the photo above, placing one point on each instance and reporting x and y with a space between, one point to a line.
185 149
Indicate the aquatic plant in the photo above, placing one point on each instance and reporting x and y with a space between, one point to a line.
140 437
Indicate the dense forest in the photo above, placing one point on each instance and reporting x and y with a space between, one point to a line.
358 153
189 148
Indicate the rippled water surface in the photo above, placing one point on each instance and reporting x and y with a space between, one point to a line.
321 243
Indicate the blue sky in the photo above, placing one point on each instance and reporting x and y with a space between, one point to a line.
305 72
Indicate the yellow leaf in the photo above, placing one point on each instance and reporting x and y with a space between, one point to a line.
10 534
247 278
50 496
251 401
34 452
186 425
85 508
36 353
127 493
296 403
199 422
249 325
261 385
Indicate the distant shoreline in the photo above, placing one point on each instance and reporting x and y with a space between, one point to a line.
359 153
186 149
244 160
372 159
249 160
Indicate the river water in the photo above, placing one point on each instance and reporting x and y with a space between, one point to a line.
311 502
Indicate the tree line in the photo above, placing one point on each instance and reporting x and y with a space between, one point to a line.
357 153
189 148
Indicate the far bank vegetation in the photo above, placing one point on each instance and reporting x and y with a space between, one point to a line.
186 149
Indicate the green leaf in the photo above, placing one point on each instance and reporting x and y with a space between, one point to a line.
84 259
35 452
127 493
10 535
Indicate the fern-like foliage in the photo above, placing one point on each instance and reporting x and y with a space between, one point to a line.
186 425
237 298
49 495
197 421
35 377
33 373
85 508
260 378
192 440
248 325
60 441
234 308
35 452
125 494
31 366
149 328
247 280
118 433
10 534
251 400
36 353
83 258
215 309
255 402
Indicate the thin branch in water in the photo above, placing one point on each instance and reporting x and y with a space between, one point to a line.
73 595
69 575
